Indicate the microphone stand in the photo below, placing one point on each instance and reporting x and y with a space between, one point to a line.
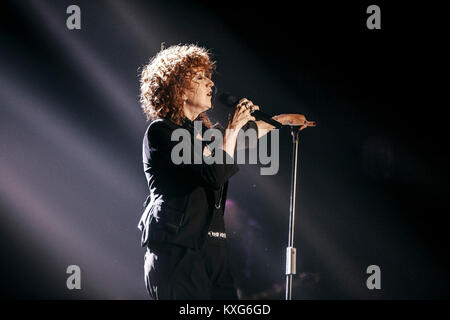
291 254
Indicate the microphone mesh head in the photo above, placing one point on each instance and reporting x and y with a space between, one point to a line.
227 99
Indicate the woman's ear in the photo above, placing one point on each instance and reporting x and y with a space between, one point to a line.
184 97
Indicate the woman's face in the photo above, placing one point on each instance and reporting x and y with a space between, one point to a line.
198 95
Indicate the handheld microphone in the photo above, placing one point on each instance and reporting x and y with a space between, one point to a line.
230 101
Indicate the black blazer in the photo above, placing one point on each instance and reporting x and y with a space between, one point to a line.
182 197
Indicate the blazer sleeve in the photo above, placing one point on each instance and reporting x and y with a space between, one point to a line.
213 175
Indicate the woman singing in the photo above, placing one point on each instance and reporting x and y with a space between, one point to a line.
183 224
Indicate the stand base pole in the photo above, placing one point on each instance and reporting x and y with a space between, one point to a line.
291 256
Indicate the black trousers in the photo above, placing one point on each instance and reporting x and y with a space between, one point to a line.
182 273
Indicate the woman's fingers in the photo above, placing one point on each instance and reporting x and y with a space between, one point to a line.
245 115
242 114
248 104
307 124
242 100
300 120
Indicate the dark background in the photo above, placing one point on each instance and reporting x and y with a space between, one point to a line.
373 175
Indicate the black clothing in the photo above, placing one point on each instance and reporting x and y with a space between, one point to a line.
183 225
181 201
176 272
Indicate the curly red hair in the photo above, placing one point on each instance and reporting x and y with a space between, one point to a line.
166 76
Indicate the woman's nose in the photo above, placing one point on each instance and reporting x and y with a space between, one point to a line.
211 83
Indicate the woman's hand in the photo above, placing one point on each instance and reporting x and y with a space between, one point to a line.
236 121
294 119
242 114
